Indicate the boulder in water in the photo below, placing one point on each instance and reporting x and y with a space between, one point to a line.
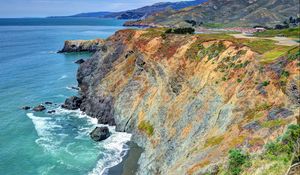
39 108
48 103
72 103
100 133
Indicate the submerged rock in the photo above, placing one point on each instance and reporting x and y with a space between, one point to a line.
51 112
26 108
100 133
72 103
48 103
39 108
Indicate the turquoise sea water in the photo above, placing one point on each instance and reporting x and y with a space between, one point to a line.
31 73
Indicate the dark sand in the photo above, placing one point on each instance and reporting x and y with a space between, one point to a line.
129 165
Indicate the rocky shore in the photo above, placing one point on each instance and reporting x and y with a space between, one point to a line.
187 99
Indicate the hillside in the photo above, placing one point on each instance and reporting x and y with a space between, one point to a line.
228 13
189 99
146 11
142 12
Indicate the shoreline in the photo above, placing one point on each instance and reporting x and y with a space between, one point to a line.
129 164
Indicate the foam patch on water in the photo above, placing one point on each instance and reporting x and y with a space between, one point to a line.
44 127
71 88
76 113
63 77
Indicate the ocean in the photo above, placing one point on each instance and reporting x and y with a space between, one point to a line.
32 73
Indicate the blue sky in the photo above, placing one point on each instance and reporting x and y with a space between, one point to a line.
42 8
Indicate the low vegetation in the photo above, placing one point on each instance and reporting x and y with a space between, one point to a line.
238 160
286 146
146 127
214 141
276 158
292 33
269 50
273 123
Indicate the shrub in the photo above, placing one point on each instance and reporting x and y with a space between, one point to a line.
192 22
237 159
168 31
265 83
285 146
187 30
146 127
294 55
285 73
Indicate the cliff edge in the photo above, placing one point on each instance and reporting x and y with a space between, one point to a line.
82 45
189 99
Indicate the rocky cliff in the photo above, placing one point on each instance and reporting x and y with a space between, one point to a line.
82 45
188 99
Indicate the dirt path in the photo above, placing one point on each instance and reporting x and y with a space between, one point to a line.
280 40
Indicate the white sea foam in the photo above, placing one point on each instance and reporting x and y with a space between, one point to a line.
76 113
44 127
115 149
63 77
48 52
71 88
48 129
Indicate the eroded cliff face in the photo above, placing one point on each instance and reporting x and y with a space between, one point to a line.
82 45
188 99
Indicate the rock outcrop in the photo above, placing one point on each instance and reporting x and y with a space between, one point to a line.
39 108
188 99
100 133
82 45
80 61
72 103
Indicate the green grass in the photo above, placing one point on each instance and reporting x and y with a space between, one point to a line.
153 32
146 127
268 49
213 25
273 123
291 33
257 111
294 54
213 141
261 45
275 53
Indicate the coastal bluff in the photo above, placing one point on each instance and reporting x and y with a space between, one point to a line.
189 99
82 45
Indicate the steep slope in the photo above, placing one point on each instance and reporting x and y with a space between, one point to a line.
230 13
188 99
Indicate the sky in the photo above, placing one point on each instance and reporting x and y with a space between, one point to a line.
43 8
